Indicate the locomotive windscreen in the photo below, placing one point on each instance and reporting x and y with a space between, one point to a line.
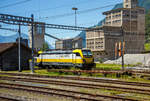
87 53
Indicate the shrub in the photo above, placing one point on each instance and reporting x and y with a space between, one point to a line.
100 60
139 64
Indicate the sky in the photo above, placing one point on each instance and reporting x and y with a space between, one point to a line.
57 12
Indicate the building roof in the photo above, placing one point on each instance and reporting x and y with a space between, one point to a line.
67 39
108 30
103 28
120 9
6 46
77 38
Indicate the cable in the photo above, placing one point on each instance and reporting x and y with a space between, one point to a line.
79 12
9 29
60 6
17 3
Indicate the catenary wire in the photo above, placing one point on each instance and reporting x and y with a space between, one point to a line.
17 3
79 12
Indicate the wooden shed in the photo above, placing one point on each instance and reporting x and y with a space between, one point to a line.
9 56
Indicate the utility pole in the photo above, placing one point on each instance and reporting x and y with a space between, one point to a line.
122 48
32 29
19 60
75 9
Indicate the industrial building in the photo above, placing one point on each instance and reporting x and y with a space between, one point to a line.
102 41
23 41
127 23
38 33
71 43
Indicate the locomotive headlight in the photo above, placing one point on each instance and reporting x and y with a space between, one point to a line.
93 60
84 61
35 59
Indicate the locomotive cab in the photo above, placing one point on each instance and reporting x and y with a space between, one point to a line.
87 58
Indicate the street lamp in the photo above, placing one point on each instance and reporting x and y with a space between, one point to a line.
75 9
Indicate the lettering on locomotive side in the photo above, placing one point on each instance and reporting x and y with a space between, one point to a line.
64 55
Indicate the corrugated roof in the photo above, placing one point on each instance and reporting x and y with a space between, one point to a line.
102 28
5 46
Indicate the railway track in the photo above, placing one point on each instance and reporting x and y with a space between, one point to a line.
104 81
82 85
85 71
100 80
2 98
117 73
11 97
64 93
101 71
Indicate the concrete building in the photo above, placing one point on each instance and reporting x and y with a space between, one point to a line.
131 19
130 3
23 41
59 44
72 43
102 41
39 32
77 43
64 44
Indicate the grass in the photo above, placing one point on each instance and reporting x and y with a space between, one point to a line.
98 66
108 66
122 77
147 46
111 66
113 76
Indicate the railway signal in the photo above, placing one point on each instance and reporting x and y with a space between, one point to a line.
119 48
120 51
116 50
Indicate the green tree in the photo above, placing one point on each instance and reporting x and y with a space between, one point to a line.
147 26
45 47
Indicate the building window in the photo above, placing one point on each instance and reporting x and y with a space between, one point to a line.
39 29
141 11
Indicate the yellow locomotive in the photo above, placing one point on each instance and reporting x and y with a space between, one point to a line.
80 58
